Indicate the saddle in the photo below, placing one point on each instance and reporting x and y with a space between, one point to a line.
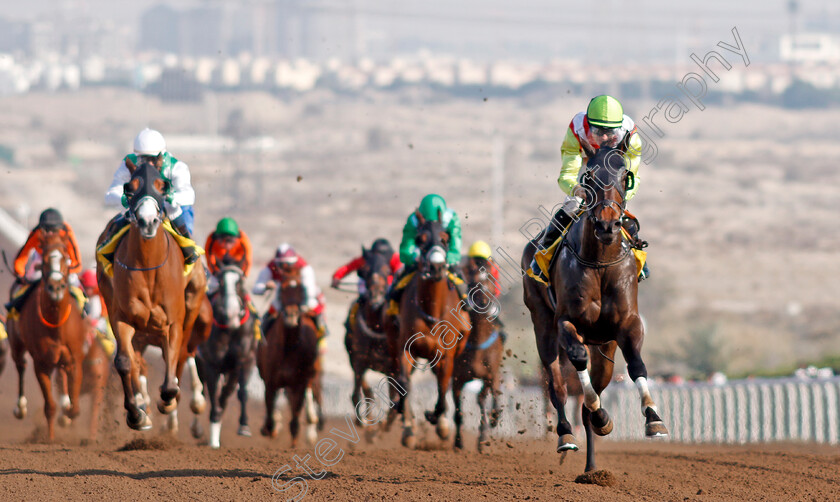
105 251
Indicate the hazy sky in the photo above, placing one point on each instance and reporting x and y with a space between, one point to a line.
608 31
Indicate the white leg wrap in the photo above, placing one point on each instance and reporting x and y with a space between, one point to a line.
215 433
311 412
644 394
590 397
64 401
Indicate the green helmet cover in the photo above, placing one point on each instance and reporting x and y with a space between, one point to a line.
430 205
605 111
227 226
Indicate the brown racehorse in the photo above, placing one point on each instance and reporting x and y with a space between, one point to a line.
482 357
366 341
52 330
287 358
573 389
432 325
149 299
97 366
592 301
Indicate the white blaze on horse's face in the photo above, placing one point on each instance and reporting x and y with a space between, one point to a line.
233 307
55 278
436 255
147 215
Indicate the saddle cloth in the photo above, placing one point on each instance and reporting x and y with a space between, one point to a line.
105 252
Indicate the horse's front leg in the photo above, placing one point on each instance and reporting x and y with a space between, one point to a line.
169 390
19 357
42 373
242 394
631 349
443 372
211 379
135 417
579 357
550 354
594 422
197 403
74 384
457 389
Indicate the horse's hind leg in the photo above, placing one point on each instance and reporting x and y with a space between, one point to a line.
74 383
212 376
311 415
457 388
43 375
602 371
631 349
296 396
197 403
269 427
135 417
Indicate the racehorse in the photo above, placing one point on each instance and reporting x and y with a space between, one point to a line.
52 330
287 358
432 325
592 301
150 300
573 389
482 356
230 350
366 341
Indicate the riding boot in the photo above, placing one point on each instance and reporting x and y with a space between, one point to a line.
17 300
190 253
394 294
460 286
631 224
551 233
321 324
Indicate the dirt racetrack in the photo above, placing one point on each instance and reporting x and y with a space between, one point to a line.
180 468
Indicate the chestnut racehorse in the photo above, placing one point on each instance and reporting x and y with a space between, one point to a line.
230 351
432 325
287 358
149 299
592 301
52 330
482 356
366 341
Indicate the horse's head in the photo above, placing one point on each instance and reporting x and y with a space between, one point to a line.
145 192
606 181
374 273
229 305
477 272
54 268
433 242
292 295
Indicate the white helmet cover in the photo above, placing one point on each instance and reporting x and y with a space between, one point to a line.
149 142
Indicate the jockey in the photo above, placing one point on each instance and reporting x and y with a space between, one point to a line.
96 312
603 123
287 258
28 260
430 206
379 246
227 244
148 145
482 250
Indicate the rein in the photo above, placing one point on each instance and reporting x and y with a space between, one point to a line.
597 264
49 324
137 269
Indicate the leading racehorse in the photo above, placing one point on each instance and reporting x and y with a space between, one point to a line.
592 301
432 324
52 330
150 299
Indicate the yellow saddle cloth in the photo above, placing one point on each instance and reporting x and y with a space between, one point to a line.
105 252
543 258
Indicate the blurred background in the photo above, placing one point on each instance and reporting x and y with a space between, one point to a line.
323 123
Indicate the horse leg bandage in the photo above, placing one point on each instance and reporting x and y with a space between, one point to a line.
644 394
590 397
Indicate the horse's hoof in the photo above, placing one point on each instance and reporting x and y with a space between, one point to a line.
494 418
431 417
656 430
167 407
269 433
244 431
196 430
566 442
442 428
311 434
458 444
172 424
370 435
143 422
64 421
198 404
408 439
20 409
602 424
